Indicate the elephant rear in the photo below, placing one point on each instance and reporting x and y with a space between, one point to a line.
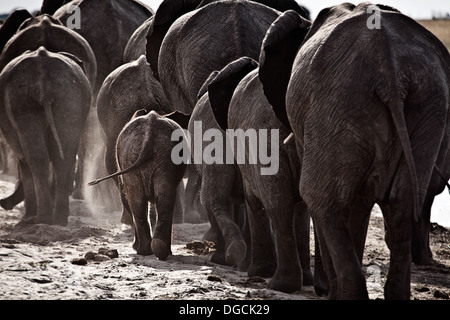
45 99
208 39
148 174
374 138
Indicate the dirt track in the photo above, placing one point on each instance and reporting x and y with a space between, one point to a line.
36 262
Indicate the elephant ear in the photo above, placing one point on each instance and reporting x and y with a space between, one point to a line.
279 49
50 6
205 85
168 11
221 88
285 5
11 25
180 118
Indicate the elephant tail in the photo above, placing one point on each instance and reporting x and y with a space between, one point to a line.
143 157
51 121
46 91
398 116
135 165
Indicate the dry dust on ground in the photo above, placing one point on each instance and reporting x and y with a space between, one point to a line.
38 262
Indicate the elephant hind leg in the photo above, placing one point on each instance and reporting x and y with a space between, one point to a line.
420 245
63 180
288 275
216 200
398 216
165 196
263 261
36 156
29 194
133 198
398 240
302 223
339 256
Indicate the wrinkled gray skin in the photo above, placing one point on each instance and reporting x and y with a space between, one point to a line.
127 89
137 43
205 40
369 139
221 193
189 39
42 125
148 174
42 31
273 197
107 26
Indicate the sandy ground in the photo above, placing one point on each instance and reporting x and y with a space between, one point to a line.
36 262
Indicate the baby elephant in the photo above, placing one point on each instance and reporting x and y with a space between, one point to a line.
148 174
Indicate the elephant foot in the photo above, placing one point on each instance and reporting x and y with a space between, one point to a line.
264 270
126 219
423 259
219 258
142 250
160 249
212 236
285 284
236 252
320 283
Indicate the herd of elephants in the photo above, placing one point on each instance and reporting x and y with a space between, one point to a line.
362 115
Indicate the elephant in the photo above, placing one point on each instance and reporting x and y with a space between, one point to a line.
107 26
362 140
41 118
221 190
42 31
238 102
127 89
148 174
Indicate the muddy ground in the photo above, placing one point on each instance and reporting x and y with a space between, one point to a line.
37 262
